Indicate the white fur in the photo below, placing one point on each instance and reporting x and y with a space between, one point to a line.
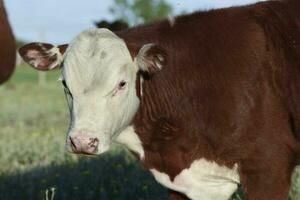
131 140
60 78
55 51
203 180
95 63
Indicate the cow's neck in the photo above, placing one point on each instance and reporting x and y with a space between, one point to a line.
158 124
165 122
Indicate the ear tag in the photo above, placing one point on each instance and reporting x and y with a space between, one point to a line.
141 85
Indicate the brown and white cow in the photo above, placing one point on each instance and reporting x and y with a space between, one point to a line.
7 46
207 102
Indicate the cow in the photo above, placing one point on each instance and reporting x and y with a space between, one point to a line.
207 101
7 46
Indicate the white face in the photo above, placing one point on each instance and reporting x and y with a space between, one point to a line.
100 75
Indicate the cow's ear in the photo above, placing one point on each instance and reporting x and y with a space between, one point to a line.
151 58
43 56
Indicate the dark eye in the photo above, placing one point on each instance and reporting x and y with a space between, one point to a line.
122 84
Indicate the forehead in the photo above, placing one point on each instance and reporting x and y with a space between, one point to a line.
95 50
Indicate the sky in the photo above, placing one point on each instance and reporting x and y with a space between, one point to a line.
59 21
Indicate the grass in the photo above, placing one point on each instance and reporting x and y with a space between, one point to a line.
33 161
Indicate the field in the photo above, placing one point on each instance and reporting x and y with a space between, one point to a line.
33 161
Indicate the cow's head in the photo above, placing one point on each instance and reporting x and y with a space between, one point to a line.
99 77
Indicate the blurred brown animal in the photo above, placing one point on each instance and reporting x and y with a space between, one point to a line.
7 46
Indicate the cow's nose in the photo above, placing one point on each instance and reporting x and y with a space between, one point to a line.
84 144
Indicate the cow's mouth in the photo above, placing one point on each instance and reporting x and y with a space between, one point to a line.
84 145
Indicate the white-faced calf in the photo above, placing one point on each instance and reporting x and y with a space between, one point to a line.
207 102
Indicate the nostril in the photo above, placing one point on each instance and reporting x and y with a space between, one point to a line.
84 144
93 142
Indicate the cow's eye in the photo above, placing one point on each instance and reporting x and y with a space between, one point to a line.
122 84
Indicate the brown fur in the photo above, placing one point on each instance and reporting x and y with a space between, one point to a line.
229 93
7 46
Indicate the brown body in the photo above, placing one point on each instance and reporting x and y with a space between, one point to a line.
7 46
230 93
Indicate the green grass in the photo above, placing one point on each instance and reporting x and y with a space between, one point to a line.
33 161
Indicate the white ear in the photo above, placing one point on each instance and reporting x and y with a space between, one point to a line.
43 56
151 58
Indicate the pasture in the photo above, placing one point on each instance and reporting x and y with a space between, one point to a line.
33 161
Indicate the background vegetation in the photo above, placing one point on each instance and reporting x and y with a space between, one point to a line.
129 13
140 11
